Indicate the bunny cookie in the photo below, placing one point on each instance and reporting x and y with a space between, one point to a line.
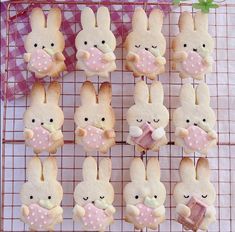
41 196
96 43
146 44
194 120
95 118
94 196
44 44
195 195
43 119
193 46
145 195
148 118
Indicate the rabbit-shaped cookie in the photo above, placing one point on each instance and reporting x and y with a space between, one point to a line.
94 196
145 195
196 185
193 46
41 196
194 120
148 117
44 44
146 45
96 43
44 118
95 118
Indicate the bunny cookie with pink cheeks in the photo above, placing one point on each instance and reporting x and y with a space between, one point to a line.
148 117
94 196
44 44
194 120
193 46
95 118
96 43
41 196
145 195
146 44
195 183
44 118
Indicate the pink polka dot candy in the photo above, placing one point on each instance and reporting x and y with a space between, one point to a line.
197 138
194 65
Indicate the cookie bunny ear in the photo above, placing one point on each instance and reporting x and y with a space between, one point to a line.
103 18
105 93
141 94
201 21
53 93
137 170
156 93
156 20
89 169
203 94
50 169
153 169
87 18
187 95
88 94
187 170
203 169
37 19
54 19
186 21
139 20
34 170
105 169
37 94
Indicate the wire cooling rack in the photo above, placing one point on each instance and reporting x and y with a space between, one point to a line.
15 155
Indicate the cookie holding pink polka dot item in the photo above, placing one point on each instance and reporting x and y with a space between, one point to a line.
145 195
41 195
94 196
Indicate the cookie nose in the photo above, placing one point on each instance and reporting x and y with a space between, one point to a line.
195 50
95 46
93 202
42 123
195 124
148 122
146 49
43 47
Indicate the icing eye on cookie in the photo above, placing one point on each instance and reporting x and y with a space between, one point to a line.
86 119
31 197
186 196
85 198
35 45
139 120
103 41
136 197
204 196
154 46
137 46
101 197
156 120
103 119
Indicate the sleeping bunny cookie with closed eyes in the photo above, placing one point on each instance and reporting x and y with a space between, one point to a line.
94 196
44 44
96 43
148 117
41 195
194 120
193 46
145 195
195 195
146 45
44 118
95 118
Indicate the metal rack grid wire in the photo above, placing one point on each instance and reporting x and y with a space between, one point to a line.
221 81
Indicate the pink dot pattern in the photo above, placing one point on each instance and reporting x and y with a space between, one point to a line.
147 62
197 138
38 218
95 218
96 63
41 139
40 61
94 138
193 65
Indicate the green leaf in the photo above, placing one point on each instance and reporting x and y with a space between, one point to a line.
205 5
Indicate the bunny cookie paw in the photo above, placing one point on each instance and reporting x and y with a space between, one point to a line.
96 43
94 196
41 196
194 120
193 46
145 195
44 44
146 45
195 195
44 118
95 118
148 117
